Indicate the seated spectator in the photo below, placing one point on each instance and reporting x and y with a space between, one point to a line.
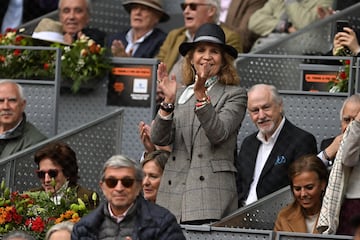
308 179
238 17
346 43
17 235
201 123
153 167
342 198
60 231
265 155
57 170
330 146
278 18
143 39
126 214
16 133
195 15
74 16
350 158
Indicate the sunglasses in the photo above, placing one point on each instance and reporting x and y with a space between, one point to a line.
52 173
193 6
112 182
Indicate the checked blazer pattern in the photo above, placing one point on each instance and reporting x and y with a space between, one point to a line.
292 143
199 177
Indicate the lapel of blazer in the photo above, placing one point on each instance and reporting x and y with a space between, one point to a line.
278 149
215 94
186 119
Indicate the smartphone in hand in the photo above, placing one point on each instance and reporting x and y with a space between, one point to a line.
340 24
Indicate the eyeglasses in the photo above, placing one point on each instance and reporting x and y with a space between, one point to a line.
52 173
193 6
112 182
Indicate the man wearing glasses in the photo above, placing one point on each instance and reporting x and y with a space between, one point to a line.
125 213
330 146
196 13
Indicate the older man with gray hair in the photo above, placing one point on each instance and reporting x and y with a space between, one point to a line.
74 16
265 155
126 214
16 133
330 146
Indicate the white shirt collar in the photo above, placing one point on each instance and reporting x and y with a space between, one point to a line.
133 46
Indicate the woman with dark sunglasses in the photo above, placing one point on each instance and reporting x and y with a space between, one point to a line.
57 170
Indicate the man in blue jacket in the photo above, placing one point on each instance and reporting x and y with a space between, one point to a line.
126 214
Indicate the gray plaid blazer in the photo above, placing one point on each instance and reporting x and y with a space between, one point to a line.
199 177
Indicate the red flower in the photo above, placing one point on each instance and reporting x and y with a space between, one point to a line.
36 225
2 58
17 52
10 30
347 62
46 66
343 75
18 39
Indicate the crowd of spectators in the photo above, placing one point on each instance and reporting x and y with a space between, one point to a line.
201 177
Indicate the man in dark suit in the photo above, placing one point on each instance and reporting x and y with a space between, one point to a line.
330 146
264 156
143 39
74 16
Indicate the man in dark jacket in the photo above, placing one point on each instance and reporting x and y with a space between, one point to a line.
126 214
330 146
266 155
143 39
16 133
74 16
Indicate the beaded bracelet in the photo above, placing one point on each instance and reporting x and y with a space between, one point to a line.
167 107
202 102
